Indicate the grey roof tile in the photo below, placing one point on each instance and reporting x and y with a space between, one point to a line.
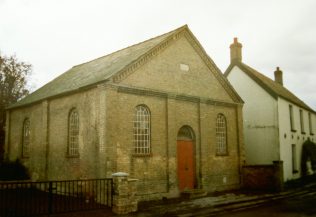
272 87
94 71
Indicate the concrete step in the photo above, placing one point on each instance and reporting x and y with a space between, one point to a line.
193 193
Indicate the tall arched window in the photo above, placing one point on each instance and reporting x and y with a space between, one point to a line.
221 135
26 138
73 133
142 130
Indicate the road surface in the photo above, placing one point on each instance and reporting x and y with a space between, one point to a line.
301 206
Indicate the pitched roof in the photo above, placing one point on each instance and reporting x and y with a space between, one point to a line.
273 88
102 69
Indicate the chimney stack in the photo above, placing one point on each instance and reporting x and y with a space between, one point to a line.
278 77
235 51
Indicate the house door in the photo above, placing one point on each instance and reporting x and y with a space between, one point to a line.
185 154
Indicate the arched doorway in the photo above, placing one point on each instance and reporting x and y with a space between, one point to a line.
186 161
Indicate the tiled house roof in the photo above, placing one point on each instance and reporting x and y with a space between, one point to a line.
113 66
273 88
92 72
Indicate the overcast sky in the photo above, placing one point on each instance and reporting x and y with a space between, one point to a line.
54 35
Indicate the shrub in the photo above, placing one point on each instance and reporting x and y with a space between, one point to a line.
15 170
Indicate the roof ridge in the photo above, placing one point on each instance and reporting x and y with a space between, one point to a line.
133 45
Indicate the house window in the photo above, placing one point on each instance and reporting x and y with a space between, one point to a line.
302 121
294 160
73 134
142 130
310 124
26 138
221 135
292 118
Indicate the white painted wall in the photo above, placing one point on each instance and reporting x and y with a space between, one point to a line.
267 129
260 119
288 137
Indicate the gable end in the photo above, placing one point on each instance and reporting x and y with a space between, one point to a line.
130 68
212 67
183 31
254 78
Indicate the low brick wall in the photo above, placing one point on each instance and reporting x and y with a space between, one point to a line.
263 177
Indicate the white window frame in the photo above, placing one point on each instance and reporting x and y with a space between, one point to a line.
292 123
73 134
302 121
310 121
221 135
26 138
294 159
142 131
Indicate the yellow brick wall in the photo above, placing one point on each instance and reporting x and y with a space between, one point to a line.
163 73
157 173
106 127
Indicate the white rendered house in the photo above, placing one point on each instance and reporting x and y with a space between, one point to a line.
276 122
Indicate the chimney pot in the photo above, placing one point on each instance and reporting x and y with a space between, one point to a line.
278 76
235 51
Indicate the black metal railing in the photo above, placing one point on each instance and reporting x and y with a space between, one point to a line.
40 198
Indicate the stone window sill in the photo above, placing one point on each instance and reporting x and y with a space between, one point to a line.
142 155
221 154
72 156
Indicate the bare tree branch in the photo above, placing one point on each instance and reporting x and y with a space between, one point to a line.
13 86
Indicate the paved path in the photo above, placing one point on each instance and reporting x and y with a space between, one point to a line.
299 206
214 205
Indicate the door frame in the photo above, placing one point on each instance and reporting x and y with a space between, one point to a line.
186 133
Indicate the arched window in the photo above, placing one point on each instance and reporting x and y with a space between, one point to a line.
26 138
221 135
142 130
73 133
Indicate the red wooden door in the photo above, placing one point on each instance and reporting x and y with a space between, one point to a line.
186 172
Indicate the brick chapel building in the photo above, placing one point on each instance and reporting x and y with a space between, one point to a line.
159 110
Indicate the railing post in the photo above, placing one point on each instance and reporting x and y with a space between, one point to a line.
50 197
111 192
